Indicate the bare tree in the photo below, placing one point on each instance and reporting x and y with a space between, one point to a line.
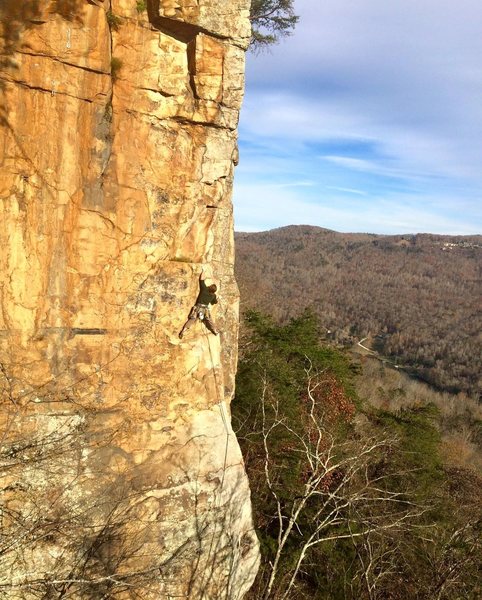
342 496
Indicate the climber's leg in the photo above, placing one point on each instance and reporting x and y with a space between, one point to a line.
210 324
189 323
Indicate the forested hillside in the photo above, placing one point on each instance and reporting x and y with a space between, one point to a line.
419 295
364 482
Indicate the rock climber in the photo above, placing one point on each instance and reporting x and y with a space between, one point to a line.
206 296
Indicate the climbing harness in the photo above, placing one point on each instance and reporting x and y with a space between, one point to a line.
199 311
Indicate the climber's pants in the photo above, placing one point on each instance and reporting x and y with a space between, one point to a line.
200 312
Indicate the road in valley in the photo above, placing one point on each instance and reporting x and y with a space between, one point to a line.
376 355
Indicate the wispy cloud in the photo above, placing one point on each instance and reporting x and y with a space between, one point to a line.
348 190
291 184
375 99
269 208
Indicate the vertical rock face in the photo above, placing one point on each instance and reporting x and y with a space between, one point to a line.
121 476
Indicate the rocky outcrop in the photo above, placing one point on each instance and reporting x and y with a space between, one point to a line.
121 474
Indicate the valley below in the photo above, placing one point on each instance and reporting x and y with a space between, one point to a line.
416 296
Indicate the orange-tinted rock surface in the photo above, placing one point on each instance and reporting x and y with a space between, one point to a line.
121 474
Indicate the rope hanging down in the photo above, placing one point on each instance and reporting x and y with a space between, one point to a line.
222 409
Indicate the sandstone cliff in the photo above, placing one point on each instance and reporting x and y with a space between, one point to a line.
121 476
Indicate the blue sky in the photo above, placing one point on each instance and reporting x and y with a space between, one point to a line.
368 118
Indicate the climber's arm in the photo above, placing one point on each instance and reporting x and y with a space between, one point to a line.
202 284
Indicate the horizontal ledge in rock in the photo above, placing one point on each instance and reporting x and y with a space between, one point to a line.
88 331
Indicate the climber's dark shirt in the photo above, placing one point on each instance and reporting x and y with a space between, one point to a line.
205 296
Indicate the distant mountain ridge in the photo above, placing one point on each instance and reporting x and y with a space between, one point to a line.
360 235
420 291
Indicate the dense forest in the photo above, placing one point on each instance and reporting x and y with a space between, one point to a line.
416 296
363 480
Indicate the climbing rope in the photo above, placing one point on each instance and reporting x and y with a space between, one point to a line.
222 409
217 493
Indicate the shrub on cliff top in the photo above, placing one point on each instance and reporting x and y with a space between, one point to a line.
271 20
